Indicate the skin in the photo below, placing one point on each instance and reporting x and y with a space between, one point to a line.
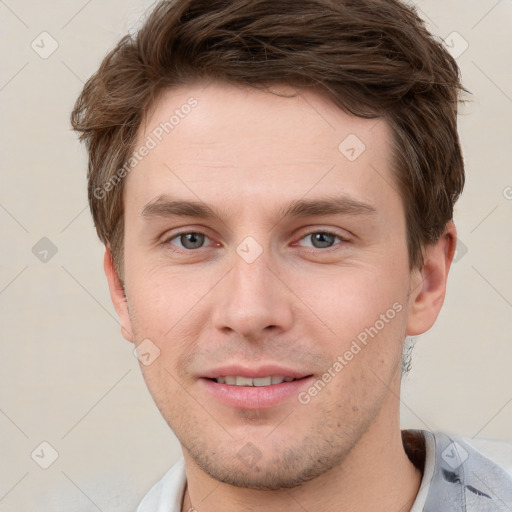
299 304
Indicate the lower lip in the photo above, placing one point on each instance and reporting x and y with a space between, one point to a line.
255 397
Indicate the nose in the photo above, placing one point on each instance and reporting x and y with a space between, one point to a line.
252 300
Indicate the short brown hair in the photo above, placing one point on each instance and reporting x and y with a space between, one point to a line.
372 58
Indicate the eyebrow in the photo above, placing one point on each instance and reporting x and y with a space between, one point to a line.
164 207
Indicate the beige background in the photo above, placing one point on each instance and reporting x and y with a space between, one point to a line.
67 376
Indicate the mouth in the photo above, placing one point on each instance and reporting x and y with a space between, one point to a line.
257 391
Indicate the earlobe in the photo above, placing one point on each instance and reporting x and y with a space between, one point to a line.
428 286
118 296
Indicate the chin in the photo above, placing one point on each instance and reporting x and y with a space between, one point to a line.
273 468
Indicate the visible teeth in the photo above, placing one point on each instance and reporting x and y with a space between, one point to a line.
263 381
243 381
259 381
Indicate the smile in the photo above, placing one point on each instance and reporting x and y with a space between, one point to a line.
241 392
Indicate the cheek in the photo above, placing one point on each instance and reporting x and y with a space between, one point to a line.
168 395
351 299
164 299
366 318
168 308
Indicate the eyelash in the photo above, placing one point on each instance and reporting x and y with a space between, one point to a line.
168 240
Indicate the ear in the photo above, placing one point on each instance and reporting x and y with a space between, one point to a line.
118 296
428 285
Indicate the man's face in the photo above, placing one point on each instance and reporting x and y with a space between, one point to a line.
258 291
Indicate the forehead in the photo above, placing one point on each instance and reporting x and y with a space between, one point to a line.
220 137
217 112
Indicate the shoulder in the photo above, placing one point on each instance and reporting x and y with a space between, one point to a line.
167 494
499 452
465 477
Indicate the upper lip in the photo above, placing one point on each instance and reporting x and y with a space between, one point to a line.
268 370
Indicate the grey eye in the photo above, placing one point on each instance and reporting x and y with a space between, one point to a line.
322 240
191 240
